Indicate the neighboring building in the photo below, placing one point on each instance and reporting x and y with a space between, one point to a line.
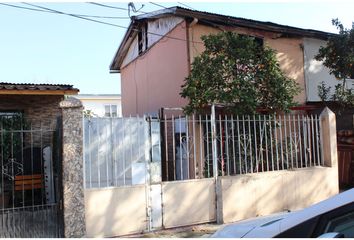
154 61
102 105
36 102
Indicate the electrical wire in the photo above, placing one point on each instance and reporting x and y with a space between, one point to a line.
106 23
158 5
41 10
114 7
186 5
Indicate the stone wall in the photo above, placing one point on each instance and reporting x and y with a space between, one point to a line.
72 167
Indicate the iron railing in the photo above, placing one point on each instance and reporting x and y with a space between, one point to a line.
118 151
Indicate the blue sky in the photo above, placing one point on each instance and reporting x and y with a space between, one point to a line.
38 47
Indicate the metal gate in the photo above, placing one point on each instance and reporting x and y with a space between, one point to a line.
30 153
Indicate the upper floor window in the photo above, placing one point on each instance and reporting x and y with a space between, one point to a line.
110 110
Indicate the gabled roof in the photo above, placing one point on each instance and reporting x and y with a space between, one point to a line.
208 19
37 89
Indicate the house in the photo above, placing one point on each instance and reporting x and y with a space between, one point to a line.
157 51
102 105
36 102
30 153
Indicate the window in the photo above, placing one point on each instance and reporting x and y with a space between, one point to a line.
342 224
110 111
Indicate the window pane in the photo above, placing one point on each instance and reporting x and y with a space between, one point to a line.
114 110
107 111
343 224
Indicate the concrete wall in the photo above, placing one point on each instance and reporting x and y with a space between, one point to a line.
154 79
252 195
115 211
188 202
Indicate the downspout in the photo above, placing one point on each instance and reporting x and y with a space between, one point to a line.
189 41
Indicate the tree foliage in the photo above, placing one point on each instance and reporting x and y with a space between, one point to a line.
236 71
338 54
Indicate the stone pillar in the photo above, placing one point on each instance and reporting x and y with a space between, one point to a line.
72 167
329 138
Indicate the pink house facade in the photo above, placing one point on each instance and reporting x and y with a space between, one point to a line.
158 49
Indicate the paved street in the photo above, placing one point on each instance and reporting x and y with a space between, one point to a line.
195 231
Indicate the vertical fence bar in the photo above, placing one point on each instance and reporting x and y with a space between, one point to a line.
106 153
194 149
213 133
296 140
98 155
180 148
245 143
227 147
187 142
261 141
313 149
250 141
266 140
165 122
201 142
309 140
207 139
233 143
255 142
300 137
271 140
222 162
123 150
291 143
174 148
286 143
239 142
317 140
304 129
276 139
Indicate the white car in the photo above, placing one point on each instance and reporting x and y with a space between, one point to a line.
333 217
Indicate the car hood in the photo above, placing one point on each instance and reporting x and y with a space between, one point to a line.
242 228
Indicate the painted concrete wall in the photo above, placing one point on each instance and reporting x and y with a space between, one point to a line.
252 195
154 79
96 103
289 52
188 202
315 72
115 211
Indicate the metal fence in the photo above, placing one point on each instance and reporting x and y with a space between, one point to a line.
29 177
127 151
244 144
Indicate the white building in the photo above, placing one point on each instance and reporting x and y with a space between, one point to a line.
102 105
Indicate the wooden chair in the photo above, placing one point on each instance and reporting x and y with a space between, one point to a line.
28 182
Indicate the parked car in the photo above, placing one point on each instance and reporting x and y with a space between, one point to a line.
330 218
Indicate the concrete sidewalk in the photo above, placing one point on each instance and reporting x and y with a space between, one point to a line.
195 231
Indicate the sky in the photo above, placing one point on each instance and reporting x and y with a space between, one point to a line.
41 47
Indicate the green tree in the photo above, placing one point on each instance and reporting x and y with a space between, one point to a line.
236 71
338 54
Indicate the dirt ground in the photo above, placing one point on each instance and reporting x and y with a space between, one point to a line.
195 231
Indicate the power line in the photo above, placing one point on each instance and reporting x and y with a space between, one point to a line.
158 5
41 10
107 23
185 5
114 7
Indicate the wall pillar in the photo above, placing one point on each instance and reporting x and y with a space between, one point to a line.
329 138
72 168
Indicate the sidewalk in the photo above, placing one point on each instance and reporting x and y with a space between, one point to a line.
195 231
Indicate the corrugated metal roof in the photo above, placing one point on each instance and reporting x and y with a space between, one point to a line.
36 87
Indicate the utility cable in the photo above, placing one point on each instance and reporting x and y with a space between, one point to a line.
41 10
107 23
186 5
158 5
114 7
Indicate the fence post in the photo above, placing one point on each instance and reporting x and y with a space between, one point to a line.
218 188
72 168
328 138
